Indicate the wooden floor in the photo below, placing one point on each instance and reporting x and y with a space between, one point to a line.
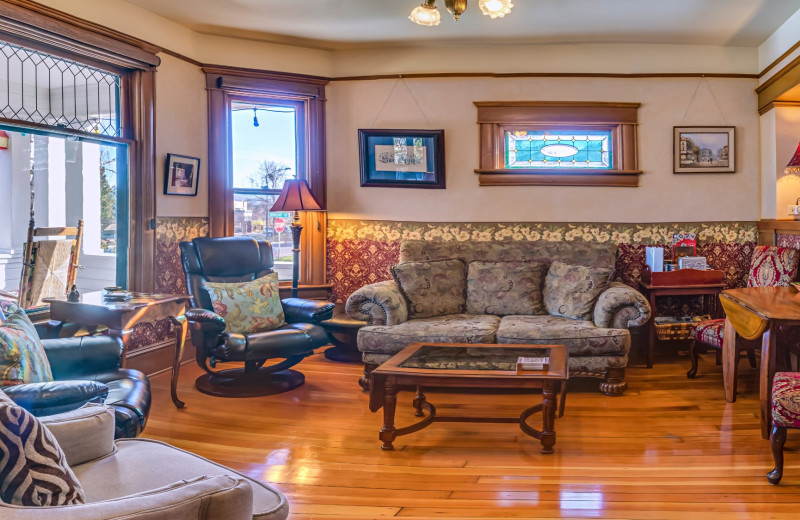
670 448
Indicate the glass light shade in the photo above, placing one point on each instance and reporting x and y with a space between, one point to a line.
794 163
495 8
426 14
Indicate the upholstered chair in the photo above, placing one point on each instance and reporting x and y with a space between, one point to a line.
770 267
785 414
241 259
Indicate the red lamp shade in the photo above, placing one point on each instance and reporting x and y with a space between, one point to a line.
794 164
3 140
295 196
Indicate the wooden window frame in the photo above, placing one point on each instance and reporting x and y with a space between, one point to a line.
231 84
42 28
496 117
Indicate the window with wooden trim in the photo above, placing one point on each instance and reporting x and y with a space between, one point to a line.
557 144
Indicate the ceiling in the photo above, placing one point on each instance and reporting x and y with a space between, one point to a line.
343 24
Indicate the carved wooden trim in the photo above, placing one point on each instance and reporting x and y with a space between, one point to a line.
496 117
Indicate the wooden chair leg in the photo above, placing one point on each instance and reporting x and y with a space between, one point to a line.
692 373
751 356
562 401
776 442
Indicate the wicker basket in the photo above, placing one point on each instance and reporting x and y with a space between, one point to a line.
673 328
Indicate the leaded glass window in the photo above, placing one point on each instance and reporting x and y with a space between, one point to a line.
556 148
40 88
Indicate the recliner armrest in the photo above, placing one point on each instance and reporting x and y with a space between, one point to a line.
299 310
56 397
78 358
205 320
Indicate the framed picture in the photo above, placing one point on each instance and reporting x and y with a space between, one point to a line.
181 175
704 149
402 158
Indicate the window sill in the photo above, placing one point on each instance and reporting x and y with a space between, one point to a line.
502 177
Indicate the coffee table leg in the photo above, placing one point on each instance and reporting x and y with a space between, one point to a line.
549 391
388 431
419 402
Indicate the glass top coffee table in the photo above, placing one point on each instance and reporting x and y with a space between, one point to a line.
475 366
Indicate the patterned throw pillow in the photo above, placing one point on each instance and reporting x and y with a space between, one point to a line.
33 469
433 288
248 307
22 356
571 291
505 288
773 267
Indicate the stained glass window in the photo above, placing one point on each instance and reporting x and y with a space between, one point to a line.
538 149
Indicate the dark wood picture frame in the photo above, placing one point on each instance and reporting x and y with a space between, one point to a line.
684 161
382 167
181 175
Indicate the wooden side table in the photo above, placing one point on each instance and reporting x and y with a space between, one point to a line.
121 316
709 292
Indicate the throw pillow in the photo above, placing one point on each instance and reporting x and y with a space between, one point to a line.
22 356
33 468
773 267
248 307
505 288
571 291
432 288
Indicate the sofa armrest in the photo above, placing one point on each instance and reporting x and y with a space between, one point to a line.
55 397
621 307
212 498
298 310
84 434
379 303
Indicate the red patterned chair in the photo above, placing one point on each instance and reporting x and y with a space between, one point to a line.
771 267
785 414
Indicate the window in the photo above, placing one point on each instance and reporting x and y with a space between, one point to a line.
557 144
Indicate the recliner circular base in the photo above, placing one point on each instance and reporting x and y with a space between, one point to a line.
239 384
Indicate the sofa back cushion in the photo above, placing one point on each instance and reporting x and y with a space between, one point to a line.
432 288
505 288
590 254
571 291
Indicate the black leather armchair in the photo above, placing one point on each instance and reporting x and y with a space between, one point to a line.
87 369
239 259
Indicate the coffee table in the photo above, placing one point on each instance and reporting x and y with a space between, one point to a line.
462 365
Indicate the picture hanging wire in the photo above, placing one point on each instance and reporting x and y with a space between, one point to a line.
703 81
398 82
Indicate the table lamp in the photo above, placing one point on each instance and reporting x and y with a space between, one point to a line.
295 196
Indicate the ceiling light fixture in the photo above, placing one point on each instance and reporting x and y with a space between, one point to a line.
428 13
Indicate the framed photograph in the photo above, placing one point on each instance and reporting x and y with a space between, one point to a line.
181 175
402 158
704 149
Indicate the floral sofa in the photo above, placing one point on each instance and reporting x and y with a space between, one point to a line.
598 343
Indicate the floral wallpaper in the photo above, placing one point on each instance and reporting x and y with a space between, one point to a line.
361 251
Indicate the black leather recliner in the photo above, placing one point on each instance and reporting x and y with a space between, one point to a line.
239 259
87 369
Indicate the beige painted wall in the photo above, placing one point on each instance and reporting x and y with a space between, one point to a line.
787 135
181 128
447 104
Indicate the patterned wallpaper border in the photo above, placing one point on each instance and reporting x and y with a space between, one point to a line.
644 233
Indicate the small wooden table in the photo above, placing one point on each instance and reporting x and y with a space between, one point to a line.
121 316
752 313
709 291
415 366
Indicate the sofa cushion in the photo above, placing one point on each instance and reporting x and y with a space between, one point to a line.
139 465
22 356
582 338
571 291
248 307
432 288
453 328
504 288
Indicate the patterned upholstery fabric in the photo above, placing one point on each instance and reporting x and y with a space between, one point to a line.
432 288
709 332
22 356
773 267
379 303
571 291
620 307
504 288
248 307
582 338
786 399
453 328
33 469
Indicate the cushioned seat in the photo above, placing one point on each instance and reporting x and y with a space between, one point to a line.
581 338
140 465
284 341
709 333
785 414
452 328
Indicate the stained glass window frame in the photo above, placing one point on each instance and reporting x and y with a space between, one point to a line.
578 139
